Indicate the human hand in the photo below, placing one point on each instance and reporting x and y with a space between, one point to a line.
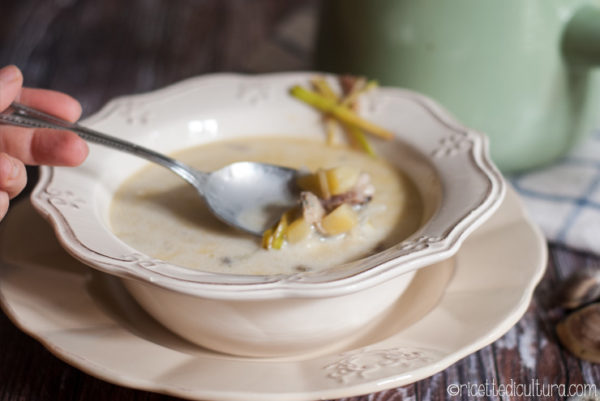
21 146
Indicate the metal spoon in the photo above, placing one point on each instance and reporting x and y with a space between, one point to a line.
246 195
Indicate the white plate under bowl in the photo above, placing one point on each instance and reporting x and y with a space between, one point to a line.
88 320
266 315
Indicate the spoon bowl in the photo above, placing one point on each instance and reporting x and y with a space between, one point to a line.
247 195
251 196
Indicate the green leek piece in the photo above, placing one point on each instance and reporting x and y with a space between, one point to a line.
273 238
361 140
341 113
267 239
330 129
322 86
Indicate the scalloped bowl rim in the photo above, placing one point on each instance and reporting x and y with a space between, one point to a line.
435 241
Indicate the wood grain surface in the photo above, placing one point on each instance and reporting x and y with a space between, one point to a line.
96 50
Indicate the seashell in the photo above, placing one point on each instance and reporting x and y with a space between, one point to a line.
581 288
579 332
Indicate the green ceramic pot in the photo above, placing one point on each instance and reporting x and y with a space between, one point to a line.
522 71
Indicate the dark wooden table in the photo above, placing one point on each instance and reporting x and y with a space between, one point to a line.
98 50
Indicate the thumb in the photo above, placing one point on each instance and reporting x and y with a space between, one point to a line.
11 81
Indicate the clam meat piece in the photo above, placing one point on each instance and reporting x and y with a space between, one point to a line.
362 192
579 332
312 209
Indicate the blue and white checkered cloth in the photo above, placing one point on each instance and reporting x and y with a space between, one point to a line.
564 198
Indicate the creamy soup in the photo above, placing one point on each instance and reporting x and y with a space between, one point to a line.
159 214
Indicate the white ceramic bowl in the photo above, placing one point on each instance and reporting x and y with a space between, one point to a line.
283 314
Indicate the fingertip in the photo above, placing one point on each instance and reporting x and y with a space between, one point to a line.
13 176
57 148
11 73
11 80
76 150
71 108
8 168
52 102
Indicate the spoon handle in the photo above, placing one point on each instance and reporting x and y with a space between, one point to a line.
24 116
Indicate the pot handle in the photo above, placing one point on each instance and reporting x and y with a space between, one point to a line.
581 37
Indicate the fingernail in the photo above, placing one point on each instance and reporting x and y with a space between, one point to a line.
9 75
